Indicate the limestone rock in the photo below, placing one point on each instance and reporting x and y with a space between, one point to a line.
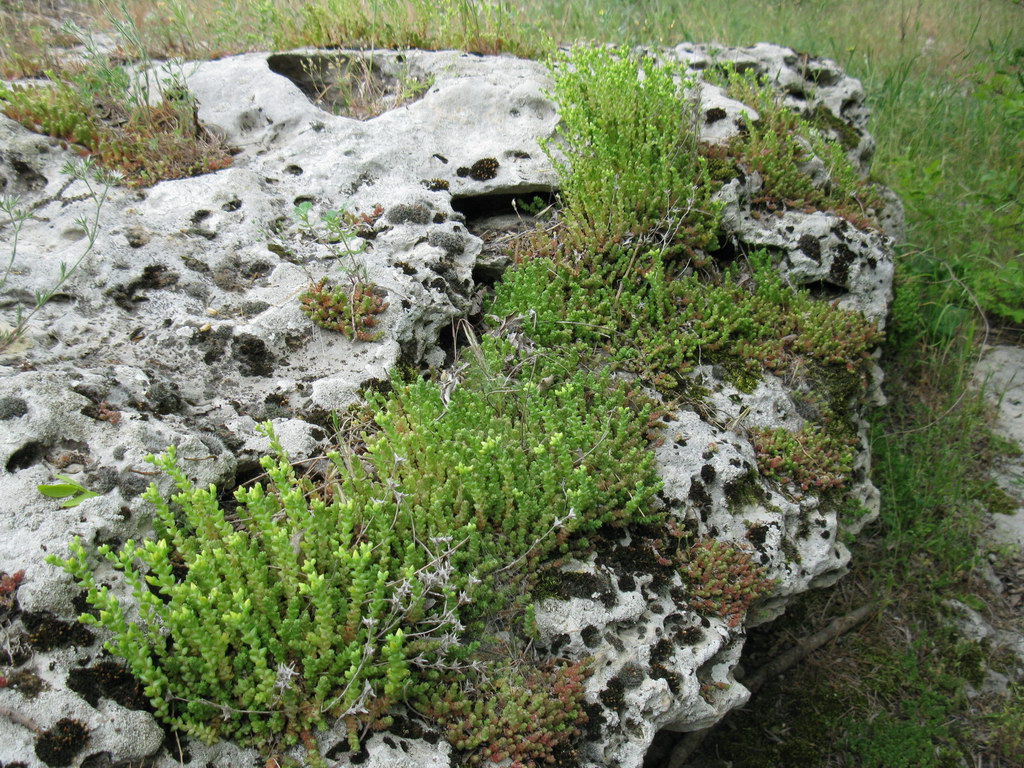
1000 371
183 326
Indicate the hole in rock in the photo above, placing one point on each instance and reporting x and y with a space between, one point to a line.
822 77
511 212
453 338
796 91
361 86
727 254
824 290
249 473
23 458
28 178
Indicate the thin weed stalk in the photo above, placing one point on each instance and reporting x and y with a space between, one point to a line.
98 184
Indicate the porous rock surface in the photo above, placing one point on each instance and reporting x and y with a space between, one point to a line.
1000 371
183 326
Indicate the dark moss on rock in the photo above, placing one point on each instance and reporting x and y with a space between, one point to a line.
57 746
153 277
449 242
46 632
27 683
110 680
254 359
698 493
662 652
744 490
12 407
659 672
839 272
164 398
596 720
757 534
824 118
408 213
810 247
715 114
613 694
131 484
484 169
643 557
690 635
569 584
215 343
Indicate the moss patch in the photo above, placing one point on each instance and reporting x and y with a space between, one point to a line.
58 746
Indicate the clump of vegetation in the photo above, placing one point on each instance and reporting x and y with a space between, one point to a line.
636 192
724 580
9 583
780 144
312 602
352 311
353 307
627 153
358 86
529 719
660 320
813 458
106 110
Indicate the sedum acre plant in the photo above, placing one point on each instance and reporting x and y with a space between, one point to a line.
724 580
659 321
811 458
352 311
779 144
528 719
628 155
313 602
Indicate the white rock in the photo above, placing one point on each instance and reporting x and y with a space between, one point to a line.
183 326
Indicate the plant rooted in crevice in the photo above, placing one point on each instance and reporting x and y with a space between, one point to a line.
782 146
627 154
349 310
813 458
724 580
314 603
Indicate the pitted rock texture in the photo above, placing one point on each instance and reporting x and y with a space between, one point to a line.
1000 371
183 326
808 85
